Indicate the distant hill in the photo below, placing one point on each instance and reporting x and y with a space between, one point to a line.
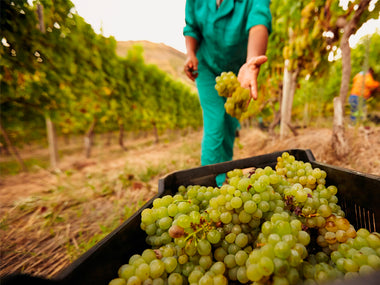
165 57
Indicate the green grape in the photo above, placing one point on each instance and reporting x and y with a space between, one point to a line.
241 257
308 270
236 202
366 270
218 268
230 238
303 238
244 217
273 238
283 228
301 196
165 223
213 236
226 217
151 229
205 261
157 268
172 210
350 265
360 242
241 275
147 216
373 240
282 250
143 271
280 281
360 258
170 263
281 267
220 253
250 206
148 255
175 279
289 239
191 248
229 261
294 258
183 221
220 279
136 260
254 272
374 261
325 211
117 281
293 276
264 206
161 212
134 280
241 240
267 266
266 227
195 276
126 271
233 248
204 247
335 255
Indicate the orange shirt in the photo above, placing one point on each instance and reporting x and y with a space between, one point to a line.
369 85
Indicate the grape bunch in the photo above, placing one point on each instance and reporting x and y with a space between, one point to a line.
263 226
359 255
337 230
238 97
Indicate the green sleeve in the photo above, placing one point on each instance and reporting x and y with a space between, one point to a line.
259 14
191 28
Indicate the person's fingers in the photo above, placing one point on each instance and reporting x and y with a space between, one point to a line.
257 61
191 73
253 91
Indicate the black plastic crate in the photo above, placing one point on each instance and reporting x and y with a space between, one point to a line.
358 197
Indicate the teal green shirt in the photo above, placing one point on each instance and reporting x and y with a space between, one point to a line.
222 33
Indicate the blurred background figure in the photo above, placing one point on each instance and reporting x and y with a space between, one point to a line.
363 86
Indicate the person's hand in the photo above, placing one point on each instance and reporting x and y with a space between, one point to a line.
191 67
248 73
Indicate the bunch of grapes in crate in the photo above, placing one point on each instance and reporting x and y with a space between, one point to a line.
263 226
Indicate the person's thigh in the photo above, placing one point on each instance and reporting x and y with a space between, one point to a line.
213 118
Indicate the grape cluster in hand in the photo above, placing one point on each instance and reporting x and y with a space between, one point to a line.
238 97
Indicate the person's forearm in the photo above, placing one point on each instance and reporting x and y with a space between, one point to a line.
257 41
191 45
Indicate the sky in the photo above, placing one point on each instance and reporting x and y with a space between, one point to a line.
158 21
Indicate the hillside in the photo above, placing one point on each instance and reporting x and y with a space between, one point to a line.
165 57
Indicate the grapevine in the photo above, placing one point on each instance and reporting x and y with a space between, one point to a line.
265 226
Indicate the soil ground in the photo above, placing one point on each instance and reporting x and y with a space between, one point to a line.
48 218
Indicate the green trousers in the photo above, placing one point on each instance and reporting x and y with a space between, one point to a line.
219 128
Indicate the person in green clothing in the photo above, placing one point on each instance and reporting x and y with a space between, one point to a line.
229 35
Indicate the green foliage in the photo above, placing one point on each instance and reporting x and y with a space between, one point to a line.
66 71
74 76
299 36
320 91
368 45
12 167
